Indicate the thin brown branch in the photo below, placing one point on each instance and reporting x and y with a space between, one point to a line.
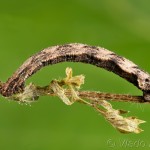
112 97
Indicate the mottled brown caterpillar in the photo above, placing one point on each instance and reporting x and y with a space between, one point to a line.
97 56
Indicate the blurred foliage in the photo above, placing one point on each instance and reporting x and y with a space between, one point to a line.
29 26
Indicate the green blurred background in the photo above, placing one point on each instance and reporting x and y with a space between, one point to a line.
26 27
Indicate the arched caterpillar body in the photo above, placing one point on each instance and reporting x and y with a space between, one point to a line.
75 52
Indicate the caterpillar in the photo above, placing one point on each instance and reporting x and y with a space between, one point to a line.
76 52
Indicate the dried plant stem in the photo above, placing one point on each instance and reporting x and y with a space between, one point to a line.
90 95
95 95
101 96
68 91
112 97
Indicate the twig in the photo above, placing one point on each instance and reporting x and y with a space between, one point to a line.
112 97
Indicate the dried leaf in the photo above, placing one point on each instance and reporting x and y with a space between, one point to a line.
60 92
30 94
123 124
75 81
70 83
